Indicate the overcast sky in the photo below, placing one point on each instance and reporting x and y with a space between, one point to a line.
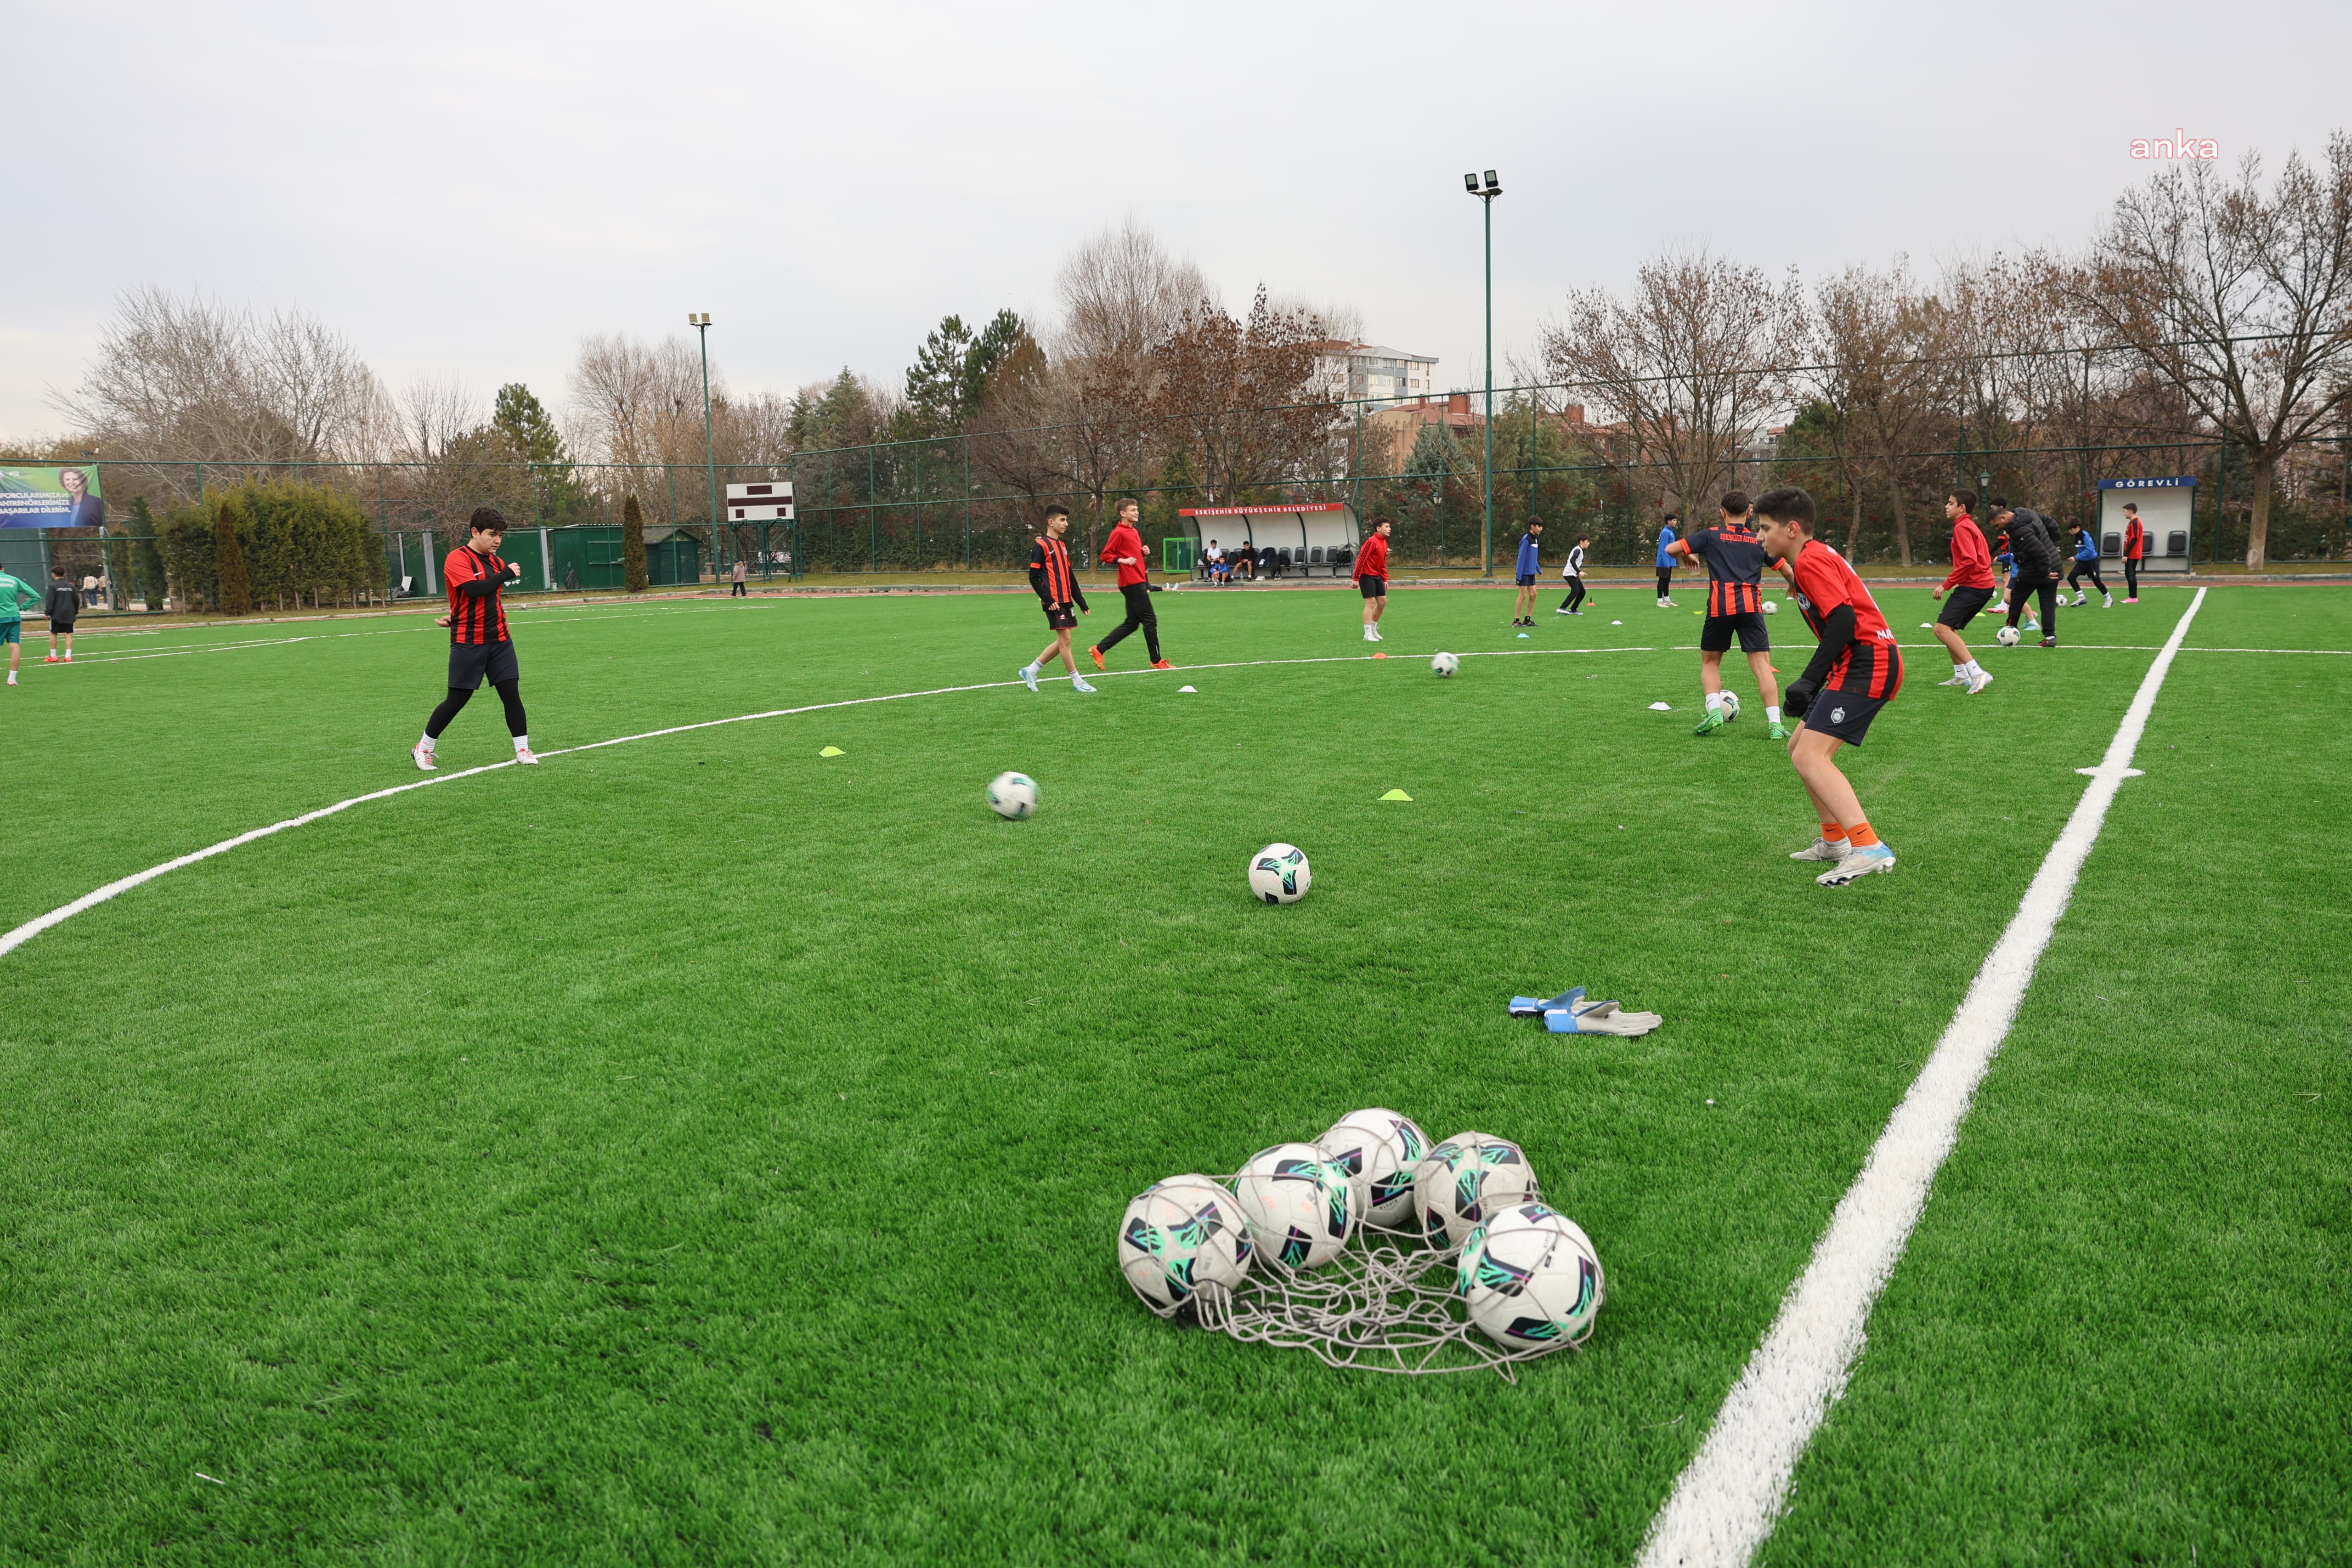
470 188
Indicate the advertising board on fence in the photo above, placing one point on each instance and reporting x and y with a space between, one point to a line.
50 498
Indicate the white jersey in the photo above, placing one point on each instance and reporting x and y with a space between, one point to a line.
1575 566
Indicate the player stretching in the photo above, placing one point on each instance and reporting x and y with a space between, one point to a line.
1125 547
1572 573
12 594
1735 603
478 644
1372 575
1970 583
1524 614
1056 587
1856 671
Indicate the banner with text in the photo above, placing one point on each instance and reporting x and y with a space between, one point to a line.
50 498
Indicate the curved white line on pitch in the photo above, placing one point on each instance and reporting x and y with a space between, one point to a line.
97 896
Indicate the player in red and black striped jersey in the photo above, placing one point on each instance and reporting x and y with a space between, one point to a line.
1856 671
478 644
1735 607
1056 587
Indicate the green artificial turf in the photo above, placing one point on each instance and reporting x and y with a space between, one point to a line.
701 1150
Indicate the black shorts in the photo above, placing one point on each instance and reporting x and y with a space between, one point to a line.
1061 617
1526 579
471 662
1715 636
1962 606
1373 587
60 628
1844 714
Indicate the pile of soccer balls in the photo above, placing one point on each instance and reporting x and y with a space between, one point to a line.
1371 1249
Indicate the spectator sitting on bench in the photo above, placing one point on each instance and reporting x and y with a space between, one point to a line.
1214 559
1242 561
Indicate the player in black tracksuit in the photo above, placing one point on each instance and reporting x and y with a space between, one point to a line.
2034 543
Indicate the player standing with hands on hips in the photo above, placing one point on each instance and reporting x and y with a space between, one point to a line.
1530 568
1123 549
1372 575
1856 672
1056 587
12 594
478 644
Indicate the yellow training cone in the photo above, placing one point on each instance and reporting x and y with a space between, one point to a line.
1396 794
832 751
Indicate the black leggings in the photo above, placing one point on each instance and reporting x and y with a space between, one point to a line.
2131 578
1139 613
2078 569
2020 590
509 693
1575 594
1666 580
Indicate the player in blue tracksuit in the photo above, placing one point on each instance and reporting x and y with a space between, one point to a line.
2087 560
1667 559
1530 566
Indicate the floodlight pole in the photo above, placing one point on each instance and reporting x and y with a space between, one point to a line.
1487 206
701 323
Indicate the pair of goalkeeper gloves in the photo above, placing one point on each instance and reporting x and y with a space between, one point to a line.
1570 1014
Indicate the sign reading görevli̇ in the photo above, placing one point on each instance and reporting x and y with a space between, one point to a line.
50 498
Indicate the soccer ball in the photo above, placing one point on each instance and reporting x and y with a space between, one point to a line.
1446 664
1180 1236
1463 1180
1299 1204
1771 607
1731 705
1278 874
2006 636
1377 1149
1012 795
1530 1279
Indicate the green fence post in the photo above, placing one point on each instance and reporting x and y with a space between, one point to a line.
967 503
873 527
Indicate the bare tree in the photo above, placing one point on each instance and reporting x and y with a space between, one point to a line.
1684 363
2241 300
435 411
1241 399
1881 351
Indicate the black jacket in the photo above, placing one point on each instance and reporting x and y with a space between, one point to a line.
62 603
2034 540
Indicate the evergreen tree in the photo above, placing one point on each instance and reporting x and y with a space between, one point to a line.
236 594
529 430
633 546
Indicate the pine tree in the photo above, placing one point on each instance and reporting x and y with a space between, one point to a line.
146 558
633 546
236 592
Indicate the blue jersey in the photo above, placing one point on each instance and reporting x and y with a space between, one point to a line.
1528 566
2086 548
1666 543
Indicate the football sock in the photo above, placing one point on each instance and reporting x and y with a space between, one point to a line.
1771 715
1833 833
1862 836
1713 700
426 745
522 742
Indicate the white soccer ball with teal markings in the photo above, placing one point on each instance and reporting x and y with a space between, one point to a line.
1530 1279
1278 874
1446 664
1180 1237
1379 1149
1466 1178
2006 636
1771 607
1012 795
1731 705
1299 1204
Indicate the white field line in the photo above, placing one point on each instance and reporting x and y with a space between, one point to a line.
97 896
569 618
1726 1502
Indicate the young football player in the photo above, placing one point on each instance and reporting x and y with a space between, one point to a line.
2085 562
1971 584
1057 591
479 647
1856 671
2134 548
1124 548
1735 606
1572 573
1666 559
1372 575
13 596
2033 540
1531 569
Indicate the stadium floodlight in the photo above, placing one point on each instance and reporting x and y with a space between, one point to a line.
1486 201
700 323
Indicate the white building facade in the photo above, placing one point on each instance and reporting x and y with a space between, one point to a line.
1367 373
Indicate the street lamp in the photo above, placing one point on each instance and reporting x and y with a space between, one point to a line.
701 325
1486 195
